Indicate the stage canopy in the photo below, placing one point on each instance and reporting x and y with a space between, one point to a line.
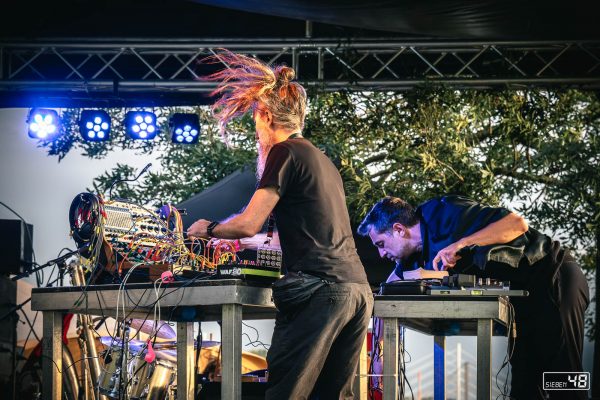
449 19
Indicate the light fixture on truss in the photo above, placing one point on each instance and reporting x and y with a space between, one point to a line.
43 123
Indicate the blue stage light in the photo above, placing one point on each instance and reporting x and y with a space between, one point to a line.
43 124
141 125
94 125
185 128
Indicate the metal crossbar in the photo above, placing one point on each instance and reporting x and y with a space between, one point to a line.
162 68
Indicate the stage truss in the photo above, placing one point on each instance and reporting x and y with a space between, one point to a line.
168 70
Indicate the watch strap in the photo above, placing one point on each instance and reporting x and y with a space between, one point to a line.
210 227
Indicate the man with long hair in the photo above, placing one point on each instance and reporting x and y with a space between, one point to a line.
324 300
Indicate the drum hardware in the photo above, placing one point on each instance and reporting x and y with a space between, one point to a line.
164 331
113 379
172 392
91 365
109 376
151 381
140 380
70 380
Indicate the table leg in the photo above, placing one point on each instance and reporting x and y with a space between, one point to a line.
439 368
390 358
186 371
231 352
52 356
484 359
360 384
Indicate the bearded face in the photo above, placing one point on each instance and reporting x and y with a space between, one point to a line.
395 245
264 144
264 139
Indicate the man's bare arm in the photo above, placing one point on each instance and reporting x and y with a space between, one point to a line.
246 224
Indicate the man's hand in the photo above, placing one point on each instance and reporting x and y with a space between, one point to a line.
421 273
502 231
448 256
198 229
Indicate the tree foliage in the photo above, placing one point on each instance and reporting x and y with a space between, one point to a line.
534 150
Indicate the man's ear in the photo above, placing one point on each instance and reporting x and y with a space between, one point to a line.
268 117
401 229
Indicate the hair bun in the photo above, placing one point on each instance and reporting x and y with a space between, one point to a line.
285 74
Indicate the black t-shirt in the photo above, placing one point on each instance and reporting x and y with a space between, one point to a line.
311 214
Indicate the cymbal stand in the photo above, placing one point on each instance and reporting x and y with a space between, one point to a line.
91 362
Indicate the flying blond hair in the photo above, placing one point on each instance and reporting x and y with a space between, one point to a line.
247 82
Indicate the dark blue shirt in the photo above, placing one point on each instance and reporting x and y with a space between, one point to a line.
445 220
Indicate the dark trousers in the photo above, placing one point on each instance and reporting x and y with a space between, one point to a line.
316 349
550 328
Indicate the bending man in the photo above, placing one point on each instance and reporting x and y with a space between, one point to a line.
456 233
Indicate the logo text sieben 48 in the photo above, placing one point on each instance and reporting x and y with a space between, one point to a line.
566 380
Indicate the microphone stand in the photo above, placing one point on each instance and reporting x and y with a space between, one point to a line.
58 260
128 180
15 309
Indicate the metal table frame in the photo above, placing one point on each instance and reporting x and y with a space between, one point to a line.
224 300
475 314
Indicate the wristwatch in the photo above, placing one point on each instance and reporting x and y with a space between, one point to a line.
210 227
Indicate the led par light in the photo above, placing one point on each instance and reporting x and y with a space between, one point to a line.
94 125
185 128
43 124
141 125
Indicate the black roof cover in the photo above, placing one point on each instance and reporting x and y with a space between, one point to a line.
457 19
453 19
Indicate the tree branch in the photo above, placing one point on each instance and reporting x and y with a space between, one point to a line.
545 179
375 158
380 173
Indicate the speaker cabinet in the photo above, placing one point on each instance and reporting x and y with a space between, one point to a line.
16 246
